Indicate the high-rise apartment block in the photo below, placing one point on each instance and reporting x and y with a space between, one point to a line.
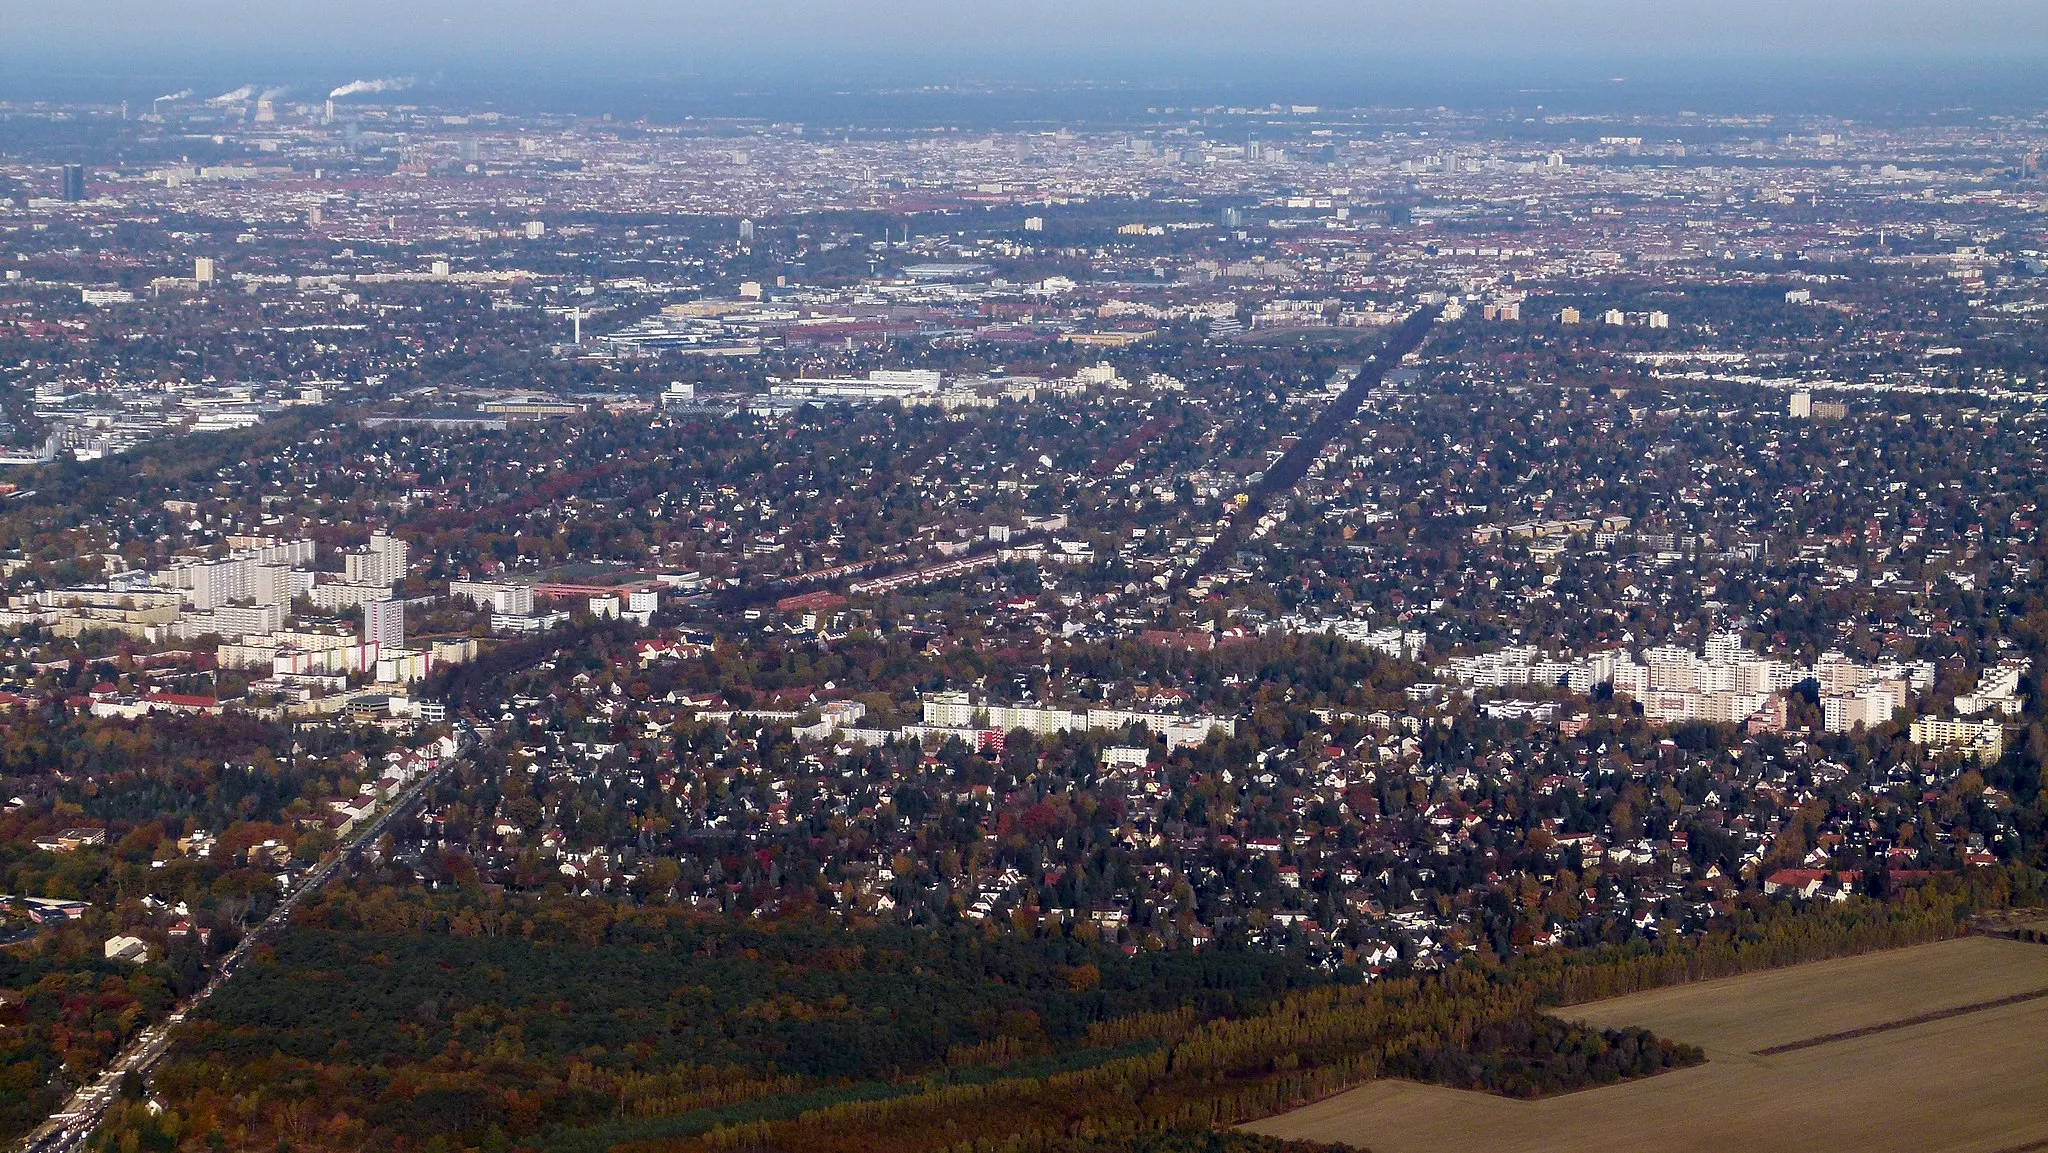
383 562
384 624
270 574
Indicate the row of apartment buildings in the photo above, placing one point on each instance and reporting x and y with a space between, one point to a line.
1726 684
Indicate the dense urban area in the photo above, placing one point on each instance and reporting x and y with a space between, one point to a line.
554 633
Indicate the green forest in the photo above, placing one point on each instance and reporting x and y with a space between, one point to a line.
580 1026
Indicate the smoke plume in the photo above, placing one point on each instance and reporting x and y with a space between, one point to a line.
354 87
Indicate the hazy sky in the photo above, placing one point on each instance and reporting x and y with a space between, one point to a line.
794 58
308 29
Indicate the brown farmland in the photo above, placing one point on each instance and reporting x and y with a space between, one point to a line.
1933 1049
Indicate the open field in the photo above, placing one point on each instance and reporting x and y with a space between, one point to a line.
1934 1048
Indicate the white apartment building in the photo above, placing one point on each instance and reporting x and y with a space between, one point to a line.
268 574
1728 685
383 562
403 665
1724 707
526 622
340 596
1980 740
1404 644
496 596
955 711
384 624
230 622
950 710
1998 689
1869 706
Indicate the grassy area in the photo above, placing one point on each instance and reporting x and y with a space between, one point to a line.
1917 1050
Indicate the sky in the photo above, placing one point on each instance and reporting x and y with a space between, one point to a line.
824 28
1946 49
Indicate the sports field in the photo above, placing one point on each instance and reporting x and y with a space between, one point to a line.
1935 1049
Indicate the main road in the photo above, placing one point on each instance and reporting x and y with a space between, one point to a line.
1294 464
67 1129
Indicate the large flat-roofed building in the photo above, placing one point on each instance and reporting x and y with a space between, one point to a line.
909 385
